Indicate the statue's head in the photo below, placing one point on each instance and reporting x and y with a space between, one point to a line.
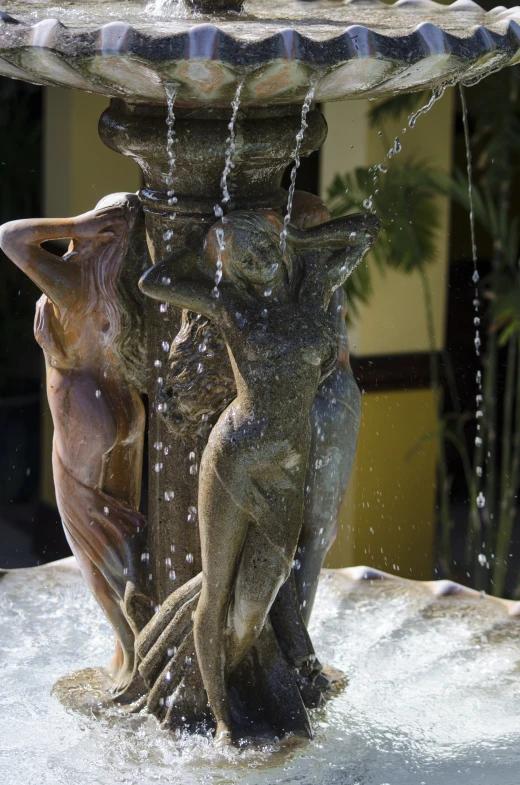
249 247
128 201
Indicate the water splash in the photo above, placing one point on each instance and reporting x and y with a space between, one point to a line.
228 166
440 656
296 155
170 9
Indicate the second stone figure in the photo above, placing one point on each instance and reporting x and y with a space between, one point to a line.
270 302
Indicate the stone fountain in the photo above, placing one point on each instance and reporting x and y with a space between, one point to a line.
218 295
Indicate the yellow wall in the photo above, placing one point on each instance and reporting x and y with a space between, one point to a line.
386 520
394 320
79 170
387 517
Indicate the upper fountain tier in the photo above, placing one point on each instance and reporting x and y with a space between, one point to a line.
352 48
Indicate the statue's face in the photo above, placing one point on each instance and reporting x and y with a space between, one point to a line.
252 254
255 256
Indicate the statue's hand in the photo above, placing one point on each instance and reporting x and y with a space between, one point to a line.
99 224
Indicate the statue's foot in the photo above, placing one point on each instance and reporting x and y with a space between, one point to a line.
122 680
127 690
223 737
331 680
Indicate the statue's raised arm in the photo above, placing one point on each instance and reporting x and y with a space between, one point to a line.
332 251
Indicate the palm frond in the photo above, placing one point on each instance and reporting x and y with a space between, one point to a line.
396 106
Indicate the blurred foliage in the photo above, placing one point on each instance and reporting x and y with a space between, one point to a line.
407 206
405 200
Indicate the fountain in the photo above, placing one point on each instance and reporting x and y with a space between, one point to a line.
219 296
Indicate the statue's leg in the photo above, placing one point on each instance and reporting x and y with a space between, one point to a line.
122 663
223 526
261 573
104 535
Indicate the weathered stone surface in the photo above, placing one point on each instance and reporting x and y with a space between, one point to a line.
349 49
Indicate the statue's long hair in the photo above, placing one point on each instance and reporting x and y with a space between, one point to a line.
111 277
130 342
199 383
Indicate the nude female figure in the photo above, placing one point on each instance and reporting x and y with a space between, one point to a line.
271 309
90 334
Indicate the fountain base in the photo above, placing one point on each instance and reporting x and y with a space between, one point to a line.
433 694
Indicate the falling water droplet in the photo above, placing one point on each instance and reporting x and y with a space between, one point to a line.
481 500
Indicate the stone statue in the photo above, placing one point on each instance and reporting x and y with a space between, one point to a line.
199 385
271 307
89 325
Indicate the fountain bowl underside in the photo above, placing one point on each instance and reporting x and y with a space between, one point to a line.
433 694
351 49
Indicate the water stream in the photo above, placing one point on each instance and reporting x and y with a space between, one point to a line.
228 166
479 399
381 168
296 155
162 448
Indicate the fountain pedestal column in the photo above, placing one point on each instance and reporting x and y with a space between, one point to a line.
265 140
